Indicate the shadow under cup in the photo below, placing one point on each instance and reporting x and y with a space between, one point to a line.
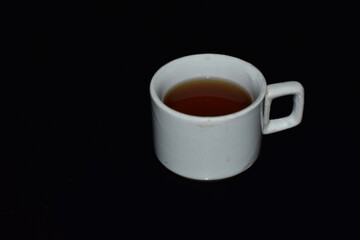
207 148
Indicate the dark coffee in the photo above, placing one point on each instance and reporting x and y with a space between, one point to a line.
207 97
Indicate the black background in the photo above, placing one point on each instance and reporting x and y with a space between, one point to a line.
76 151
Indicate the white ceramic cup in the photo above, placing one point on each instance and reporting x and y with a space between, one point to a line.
213 148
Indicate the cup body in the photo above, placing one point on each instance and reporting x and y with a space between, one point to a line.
207 148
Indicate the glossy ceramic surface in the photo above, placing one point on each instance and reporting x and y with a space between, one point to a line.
212 148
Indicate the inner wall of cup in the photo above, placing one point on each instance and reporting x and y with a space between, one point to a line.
218 66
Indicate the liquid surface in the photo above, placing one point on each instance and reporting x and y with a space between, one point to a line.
207 97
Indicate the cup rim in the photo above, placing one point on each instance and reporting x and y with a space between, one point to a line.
154 96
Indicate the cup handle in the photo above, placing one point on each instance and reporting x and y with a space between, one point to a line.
278 90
